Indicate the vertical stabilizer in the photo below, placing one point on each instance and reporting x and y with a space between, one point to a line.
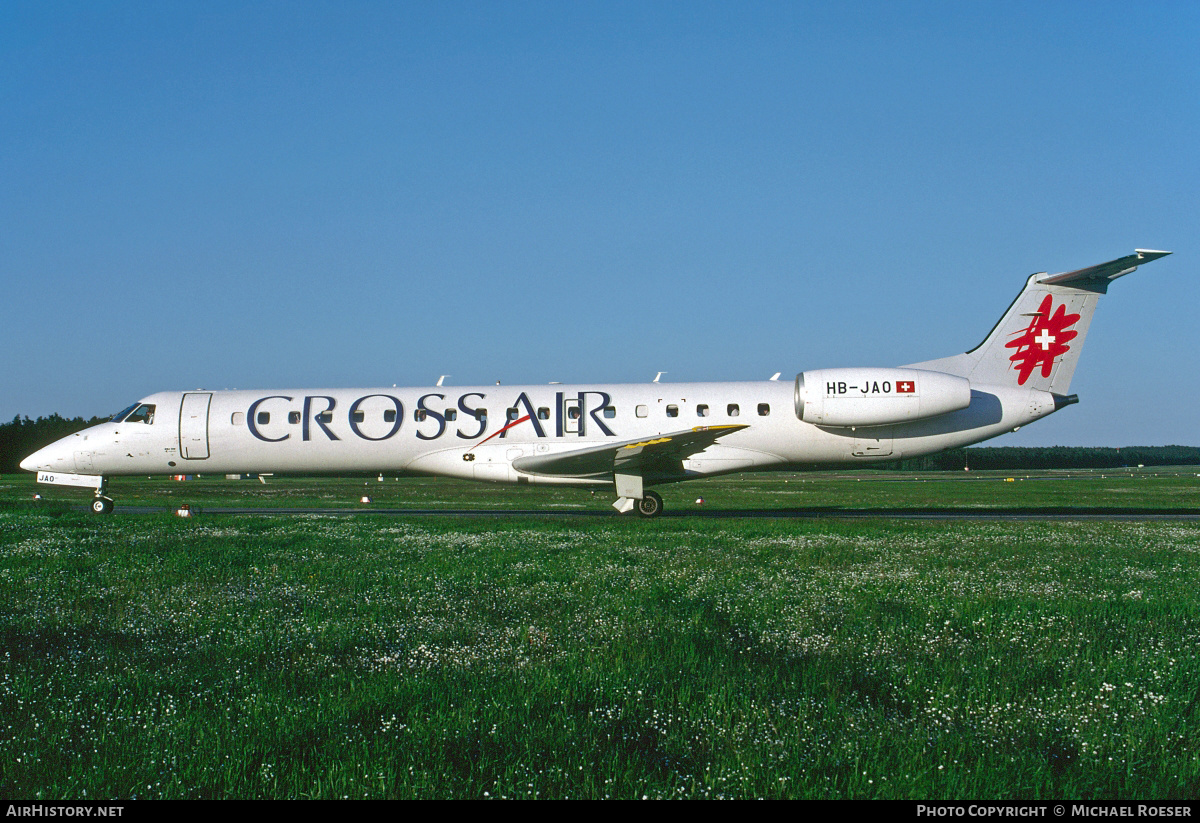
1037 343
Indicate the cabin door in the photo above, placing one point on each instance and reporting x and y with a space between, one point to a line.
193 425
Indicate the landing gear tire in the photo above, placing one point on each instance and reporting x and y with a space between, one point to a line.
650 506
102 505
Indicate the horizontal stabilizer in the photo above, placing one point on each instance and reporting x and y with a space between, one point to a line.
1104 273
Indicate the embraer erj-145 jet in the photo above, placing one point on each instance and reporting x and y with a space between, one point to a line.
627 437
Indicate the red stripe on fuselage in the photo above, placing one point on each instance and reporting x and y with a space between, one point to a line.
502 431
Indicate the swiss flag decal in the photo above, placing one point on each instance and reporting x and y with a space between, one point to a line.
905 386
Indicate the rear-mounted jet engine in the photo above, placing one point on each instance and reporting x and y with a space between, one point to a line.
877 397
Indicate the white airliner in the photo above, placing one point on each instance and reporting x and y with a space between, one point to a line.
627 437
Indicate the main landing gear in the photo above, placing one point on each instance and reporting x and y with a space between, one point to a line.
632 494
651 505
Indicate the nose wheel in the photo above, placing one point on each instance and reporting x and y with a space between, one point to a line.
102 505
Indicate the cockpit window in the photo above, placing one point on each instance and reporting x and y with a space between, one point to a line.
142 414
119 416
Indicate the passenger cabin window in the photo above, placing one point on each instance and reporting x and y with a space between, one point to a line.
641 411
419 415
263 418
511 414
359 416
451 414
293 417
610 411
543 413
732 410
325 417
764 409
702 410
672 410
389 415
238 419
573 412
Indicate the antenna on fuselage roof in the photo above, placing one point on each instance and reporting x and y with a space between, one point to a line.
776 375
660 374
440 379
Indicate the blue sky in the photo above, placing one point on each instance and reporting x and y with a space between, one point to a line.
261 195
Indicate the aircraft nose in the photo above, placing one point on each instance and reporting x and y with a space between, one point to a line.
44 458
30 463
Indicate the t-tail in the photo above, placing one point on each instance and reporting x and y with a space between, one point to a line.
1036 344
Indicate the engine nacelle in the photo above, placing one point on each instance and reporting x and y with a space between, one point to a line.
877 397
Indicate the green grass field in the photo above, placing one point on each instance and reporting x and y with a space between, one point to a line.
529 656
1174 488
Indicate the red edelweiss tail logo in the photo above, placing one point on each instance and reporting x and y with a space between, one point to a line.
1044 340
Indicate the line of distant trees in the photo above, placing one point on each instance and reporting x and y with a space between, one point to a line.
1017 458
23 437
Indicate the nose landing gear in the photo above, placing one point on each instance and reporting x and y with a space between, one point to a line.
102 503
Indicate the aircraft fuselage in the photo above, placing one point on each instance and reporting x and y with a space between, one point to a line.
479 432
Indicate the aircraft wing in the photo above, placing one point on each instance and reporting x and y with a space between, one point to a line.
659 455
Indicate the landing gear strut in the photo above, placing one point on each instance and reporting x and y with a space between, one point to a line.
102 503
650 505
